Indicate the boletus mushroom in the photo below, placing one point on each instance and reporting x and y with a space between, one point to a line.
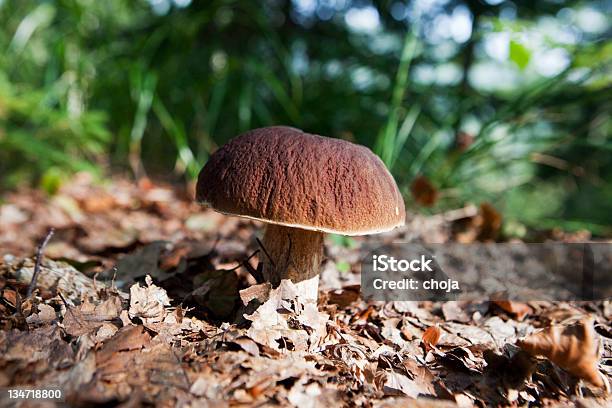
302 186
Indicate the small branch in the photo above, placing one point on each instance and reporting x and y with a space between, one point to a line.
39 255
255 273
242 263
261 245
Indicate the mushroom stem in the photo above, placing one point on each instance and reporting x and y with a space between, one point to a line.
294 254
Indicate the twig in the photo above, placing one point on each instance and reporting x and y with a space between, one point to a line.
39 255
261 245
243 262
255 273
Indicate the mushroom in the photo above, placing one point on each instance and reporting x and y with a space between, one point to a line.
302 186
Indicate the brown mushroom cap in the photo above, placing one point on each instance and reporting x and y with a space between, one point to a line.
282 175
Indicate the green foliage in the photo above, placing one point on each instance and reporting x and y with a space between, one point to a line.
39 136
519 54
343 241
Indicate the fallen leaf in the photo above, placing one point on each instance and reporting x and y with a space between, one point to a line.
423 191
99 203
149 302
247 345
60 276
395 383
491 221
518 309
461 358
126 339
81 320
345 296
574 348
431 336
105 332
484 226
284 322
453 311
46 314
260 292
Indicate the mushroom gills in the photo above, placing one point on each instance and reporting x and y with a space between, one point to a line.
295 254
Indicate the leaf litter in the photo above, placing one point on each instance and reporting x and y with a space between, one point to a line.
145 298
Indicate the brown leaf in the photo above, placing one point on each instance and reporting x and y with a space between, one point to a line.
431 336
247 345
573 348
260 292
395 383
78 321
345 296
100 203
423 191
10 297
171 259
484 226
518 309
491 221
454 311
129 338
87 317
46 314
39 350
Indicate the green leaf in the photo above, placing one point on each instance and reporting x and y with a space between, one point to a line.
519 54
343 266
343 241
52 180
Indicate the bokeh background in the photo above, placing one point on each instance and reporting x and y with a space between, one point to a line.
498 101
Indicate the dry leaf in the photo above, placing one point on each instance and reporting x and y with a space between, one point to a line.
485 226
431 336
398 384
284 322
345 296
100 203
423 191
126 339
574 348
260 292
60 276
518 309
490 224
46 314
105 332
148 302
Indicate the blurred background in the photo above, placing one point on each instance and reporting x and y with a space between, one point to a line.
505 102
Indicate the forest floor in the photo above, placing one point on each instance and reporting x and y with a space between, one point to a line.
143 297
